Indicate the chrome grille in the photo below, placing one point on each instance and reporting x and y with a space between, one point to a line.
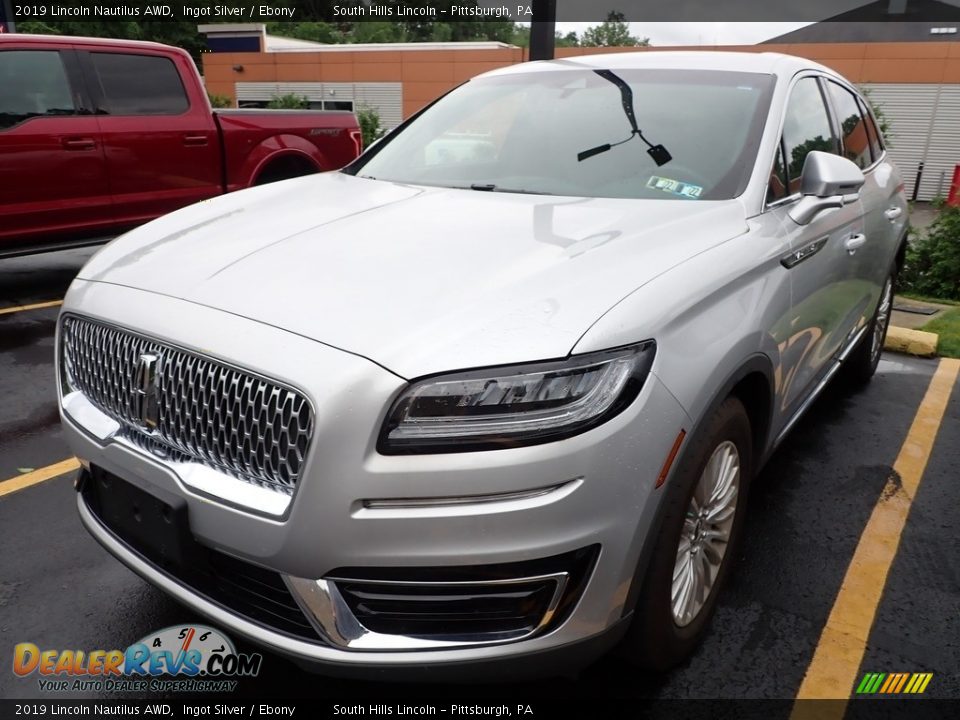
207 412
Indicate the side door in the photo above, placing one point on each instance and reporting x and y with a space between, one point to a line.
884 207
53 178
827 299
162 148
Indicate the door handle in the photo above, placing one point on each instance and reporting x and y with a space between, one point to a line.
893 213
79 143
195 140
853 242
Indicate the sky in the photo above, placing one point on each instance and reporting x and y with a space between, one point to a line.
698 33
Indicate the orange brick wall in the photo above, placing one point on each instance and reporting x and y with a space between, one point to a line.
426 74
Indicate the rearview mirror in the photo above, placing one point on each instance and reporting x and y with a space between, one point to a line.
827 181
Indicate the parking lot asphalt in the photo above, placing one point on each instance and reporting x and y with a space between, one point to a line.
807 517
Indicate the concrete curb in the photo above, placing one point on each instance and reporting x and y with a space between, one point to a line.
911 342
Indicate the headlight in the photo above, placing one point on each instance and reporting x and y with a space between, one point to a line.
518 405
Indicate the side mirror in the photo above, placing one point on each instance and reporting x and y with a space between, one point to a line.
827 181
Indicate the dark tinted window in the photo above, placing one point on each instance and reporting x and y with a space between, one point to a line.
806 127
853 130
33 83
876 142
777 187
565 132
140 84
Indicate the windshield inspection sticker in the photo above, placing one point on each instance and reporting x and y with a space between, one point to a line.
675 187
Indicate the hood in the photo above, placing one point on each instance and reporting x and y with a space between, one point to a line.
419 280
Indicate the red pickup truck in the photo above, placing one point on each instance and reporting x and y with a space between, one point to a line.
98 136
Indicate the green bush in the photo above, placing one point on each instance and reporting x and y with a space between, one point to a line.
932 265
290 101
370 128
219 101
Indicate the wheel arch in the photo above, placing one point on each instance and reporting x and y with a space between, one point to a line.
753 384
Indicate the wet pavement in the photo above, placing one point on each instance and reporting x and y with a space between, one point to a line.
808 508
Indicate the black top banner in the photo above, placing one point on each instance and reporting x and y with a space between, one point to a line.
594 11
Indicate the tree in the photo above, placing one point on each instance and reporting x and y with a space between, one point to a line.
321 32
289 101
369 121
613 32
219 101
882 121
932 266
521 37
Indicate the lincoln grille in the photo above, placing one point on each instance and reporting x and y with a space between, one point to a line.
205 412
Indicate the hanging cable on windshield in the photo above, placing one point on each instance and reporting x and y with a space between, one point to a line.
659 153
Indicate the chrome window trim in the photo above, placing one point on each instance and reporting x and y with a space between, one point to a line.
834 120
821 77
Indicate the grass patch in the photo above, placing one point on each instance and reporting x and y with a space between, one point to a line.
924 298
947 326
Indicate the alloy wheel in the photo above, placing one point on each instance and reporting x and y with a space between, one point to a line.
705 534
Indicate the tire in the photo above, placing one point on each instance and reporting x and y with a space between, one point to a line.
862 363
661 636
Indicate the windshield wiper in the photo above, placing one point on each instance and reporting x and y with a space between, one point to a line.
490 187
657 152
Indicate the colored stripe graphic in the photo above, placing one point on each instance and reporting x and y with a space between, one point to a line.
893 683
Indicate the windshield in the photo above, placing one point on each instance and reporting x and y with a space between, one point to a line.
563 133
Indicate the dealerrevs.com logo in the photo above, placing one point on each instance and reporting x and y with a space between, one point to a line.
185 658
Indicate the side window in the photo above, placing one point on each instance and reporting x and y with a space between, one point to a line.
806 127
876 142
777 187
139 84
853 130
33 83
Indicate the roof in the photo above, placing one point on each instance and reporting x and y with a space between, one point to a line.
882 21
770 63
869 32
285 45
70 39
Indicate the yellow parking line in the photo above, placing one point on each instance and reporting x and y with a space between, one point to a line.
38 476
35 306
842 644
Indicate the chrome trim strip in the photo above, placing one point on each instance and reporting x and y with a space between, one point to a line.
852 343
201 479
795 257
462 505
325 607
843 355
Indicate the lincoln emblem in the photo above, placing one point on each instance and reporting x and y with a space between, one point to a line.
145 391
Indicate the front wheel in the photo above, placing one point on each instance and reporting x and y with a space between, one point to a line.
694 550
862 364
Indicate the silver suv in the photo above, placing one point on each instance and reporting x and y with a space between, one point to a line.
498 388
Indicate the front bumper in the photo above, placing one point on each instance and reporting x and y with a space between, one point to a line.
599 492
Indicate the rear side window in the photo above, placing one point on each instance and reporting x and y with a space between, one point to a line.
139 84
33 83
806 127
876 143
854 138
